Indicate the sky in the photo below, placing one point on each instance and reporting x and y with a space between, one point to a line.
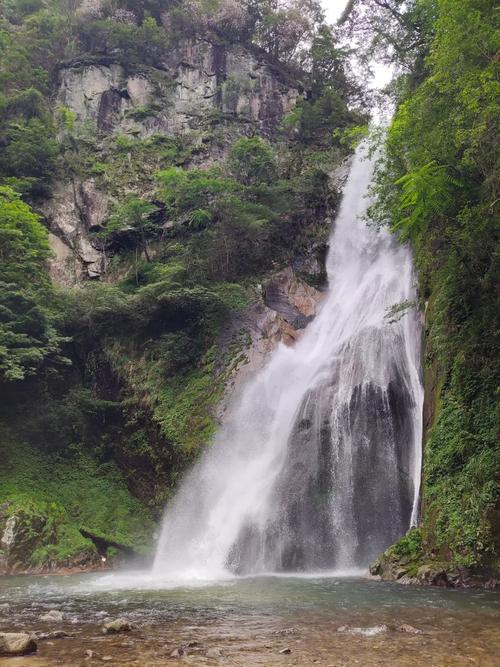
333 8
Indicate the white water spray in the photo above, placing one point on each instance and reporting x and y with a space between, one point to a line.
318 467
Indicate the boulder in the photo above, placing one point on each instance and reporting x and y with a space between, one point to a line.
433 575
117 625
16 643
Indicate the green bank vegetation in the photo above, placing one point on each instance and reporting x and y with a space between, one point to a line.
438 187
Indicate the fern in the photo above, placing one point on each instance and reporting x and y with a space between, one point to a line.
426 193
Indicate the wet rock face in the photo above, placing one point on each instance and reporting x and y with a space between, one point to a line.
292 298
18 537
287 305
345 491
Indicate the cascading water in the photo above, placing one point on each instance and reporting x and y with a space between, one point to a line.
318 466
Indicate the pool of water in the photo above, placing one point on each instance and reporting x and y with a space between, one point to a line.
315 620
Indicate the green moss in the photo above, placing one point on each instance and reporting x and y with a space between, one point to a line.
56 495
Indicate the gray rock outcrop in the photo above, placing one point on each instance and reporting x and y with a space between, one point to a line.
178 95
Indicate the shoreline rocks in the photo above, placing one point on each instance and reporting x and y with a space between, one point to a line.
16 643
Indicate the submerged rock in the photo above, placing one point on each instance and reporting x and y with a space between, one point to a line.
57 634
285 631
16 643
214 653
117 625
370 631
409 629
54 615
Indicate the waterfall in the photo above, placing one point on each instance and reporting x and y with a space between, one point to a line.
318 466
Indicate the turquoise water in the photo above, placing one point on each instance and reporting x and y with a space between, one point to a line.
249 621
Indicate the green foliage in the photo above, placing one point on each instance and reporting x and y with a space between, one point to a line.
438 186
23 241
133 213
391 30
29 154
89 495
409 547
186 190
66 117
351 136
200 219
426 193
28 335
147 42
317 122
251 161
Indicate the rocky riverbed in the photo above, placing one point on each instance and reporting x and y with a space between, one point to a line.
134 620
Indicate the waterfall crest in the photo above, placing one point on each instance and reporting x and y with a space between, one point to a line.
318 466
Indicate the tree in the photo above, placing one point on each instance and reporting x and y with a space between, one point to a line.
134 214
395 31
28 334
284 28
28 155
24 246
329 68
438 186
251 161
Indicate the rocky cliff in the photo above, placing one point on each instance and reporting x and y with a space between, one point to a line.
205 95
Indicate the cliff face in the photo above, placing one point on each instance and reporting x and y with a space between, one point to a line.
183 178
204 94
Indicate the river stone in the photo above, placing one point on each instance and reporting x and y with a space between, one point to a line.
214 653
54 615
116 625
409 629
16 643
